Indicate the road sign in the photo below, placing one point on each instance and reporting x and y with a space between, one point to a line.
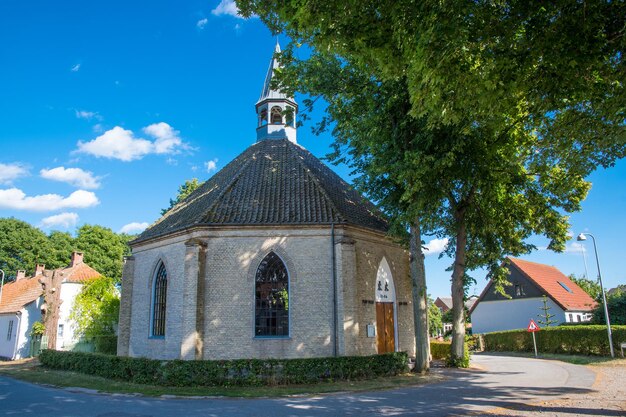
532 326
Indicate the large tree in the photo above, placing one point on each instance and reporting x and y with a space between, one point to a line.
21 246
104 249
184 190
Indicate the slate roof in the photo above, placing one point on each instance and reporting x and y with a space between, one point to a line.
17 294
548 277
273 182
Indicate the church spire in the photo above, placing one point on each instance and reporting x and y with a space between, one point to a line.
275 111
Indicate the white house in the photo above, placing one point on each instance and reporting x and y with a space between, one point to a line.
530 282
48 291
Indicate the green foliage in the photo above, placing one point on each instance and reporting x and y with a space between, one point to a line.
454 361
241 372
616 303
96 310
104 249
589 286
435 322
581 340
22 246
184 190
439 350
546 318
38 329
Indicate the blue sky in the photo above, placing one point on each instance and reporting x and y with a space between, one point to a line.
107 107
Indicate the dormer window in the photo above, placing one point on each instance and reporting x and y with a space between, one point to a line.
277 116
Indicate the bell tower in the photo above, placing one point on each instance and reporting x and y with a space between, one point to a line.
276 113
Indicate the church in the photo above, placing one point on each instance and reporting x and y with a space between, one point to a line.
274 256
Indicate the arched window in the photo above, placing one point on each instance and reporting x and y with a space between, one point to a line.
277 116
263 117
271 298
159 301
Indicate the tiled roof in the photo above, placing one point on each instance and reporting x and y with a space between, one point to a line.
79 273
273 182
17 294
548 277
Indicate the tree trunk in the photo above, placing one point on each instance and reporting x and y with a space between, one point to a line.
420 305
458 291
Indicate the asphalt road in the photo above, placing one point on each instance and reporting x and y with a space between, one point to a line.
503 382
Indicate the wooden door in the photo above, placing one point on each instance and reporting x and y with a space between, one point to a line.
385 335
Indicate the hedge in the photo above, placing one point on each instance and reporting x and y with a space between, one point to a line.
582 340
439 350
240 372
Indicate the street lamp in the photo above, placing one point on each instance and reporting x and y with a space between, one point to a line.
582 237
1 285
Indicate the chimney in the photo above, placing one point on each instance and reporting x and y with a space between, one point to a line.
77 258
39 268
21 274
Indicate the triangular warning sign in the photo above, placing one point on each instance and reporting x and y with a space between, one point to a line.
532 326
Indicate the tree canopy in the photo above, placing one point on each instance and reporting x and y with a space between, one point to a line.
589 286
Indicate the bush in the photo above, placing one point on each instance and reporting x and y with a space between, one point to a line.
228 372
440 350
582 340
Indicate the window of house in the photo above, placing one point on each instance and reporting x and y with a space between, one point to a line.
271 298
277 116
159 302
519 290
60 331
565 287
10 332
578 318
571 319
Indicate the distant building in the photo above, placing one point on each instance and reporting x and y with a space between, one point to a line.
529 282
445 305
47 296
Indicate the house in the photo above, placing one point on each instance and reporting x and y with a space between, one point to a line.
273 256
445 304
47 296
530 281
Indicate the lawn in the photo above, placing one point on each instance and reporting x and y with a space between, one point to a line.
31 371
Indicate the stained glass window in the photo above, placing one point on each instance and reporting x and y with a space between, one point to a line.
159 302
272 297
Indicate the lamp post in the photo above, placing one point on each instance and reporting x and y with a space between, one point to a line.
1 285
582 237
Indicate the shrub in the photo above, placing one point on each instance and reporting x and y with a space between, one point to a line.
440 350
582 340
228 372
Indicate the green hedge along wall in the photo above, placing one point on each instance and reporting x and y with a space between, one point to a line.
251 372
581 340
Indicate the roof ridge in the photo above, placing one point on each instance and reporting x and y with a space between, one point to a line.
229 185
307 170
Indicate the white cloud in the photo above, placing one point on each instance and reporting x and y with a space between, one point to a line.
64 220
73 176
75 68
97 128
575 247
436 246
10 172
134 227
87 115
202 23
167 138
211 165
119 143
227 7
16 199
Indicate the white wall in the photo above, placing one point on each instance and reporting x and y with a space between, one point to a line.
19 345
493 316
69 291
7 346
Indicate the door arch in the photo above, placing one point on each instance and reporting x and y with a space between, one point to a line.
386 317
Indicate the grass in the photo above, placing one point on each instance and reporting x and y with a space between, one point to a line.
31 371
